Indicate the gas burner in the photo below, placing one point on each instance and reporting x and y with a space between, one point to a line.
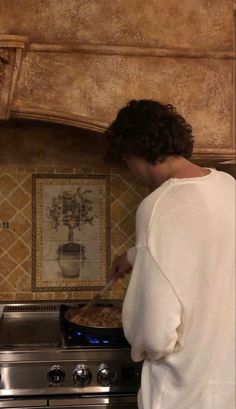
77 339
74 338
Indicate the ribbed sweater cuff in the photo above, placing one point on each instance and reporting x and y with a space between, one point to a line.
131 254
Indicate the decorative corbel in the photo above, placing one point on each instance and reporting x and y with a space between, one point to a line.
11 53
4 59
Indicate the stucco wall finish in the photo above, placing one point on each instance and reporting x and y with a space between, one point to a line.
84 59
156 23
200 88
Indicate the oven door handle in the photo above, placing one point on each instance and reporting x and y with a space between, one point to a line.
89 401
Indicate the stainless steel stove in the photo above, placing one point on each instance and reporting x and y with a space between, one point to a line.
44 364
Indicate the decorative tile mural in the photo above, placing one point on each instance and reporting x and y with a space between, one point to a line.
18 278
70 232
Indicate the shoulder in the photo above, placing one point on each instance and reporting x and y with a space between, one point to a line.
145 211
149 202
226 177
167 199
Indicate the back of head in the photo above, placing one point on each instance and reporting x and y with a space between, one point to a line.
150 130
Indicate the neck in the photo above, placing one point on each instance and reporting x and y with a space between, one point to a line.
174 167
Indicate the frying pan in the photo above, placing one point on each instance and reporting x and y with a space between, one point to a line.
99 331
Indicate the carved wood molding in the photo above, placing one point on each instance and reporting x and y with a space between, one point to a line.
101 49
64 118
209 157
204 155
11 48
13 41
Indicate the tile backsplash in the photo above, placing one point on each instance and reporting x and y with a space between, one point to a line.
17 225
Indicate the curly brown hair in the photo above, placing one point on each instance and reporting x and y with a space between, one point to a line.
150 130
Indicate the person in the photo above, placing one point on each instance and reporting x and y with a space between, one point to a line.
178 312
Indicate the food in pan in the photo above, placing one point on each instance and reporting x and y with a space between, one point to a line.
96 316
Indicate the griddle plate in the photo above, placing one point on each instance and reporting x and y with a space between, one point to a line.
29 332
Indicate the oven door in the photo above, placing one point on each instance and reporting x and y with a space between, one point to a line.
95 402
23 403
71 402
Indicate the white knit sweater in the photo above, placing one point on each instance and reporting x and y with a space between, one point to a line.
179 311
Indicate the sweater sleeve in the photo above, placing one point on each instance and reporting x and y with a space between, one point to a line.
131 254
151 312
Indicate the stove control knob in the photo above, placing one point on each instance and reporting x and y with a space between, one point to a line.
106 375
82 376
56 375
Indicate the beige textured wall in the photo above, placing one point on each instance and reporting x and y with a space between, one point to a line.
84 59
200 88
156 23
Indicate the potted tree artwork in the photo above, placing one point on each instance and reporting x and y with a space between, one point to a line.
74 210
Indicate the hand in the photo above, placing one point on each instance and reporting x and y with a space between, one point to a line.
120 267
